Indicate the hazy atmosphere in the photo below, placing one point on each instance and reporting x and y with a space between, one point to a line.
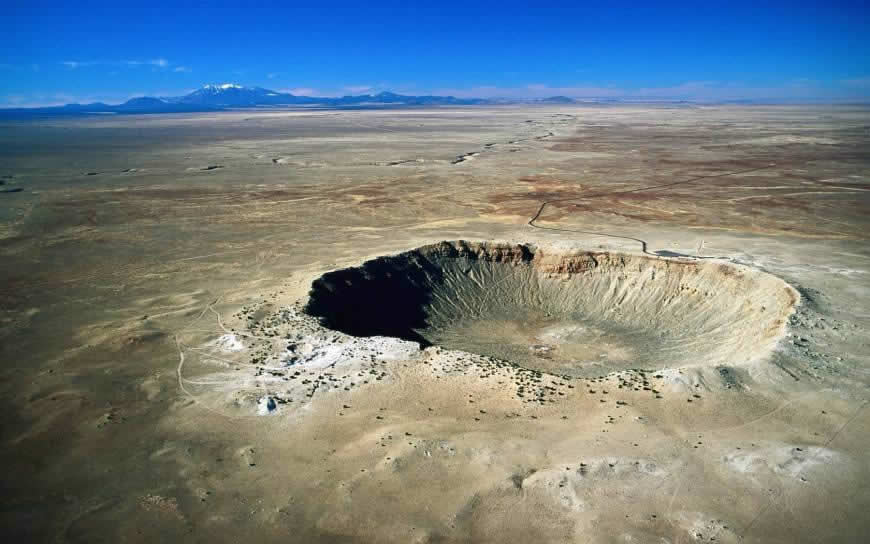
453 273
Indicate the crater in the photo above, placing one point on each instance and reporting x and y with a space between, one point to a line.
563 311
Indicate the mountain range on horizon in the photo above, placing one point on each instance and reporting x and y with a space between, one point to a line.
232 95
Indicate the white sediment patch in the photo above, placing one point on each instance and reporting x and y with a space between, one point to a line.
289 359
782 459
317 352
317 355
227 343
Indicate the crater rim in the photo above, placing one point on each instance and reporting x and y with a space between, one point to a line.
409 295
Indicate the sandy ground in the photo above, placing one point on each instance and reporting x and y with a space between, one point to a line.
160 381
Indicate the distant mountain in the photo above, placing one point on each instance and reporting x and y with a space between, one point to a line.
232 95
557 100
393 98
147 104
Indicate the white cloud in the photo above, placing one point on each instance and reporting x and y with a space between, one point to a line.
181 69
159 63
73 64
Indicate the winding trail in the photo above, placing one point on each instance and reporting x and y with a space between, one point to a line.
644 247
179 371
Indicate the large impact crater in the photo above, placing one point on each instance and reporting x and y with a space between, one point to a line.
574 312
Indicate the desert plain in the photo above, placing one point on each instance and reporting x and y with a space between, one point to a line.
583 323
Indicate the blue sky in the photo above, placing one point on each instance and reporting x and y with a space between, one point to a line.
84 51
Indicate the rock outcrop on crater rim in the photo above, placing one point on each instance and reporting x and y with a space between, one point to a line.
573 312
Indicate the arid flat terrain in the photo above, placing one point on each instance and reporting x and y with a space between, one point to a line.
470 324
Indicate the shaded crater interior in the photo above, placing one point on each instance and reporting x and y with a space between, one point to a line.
572 312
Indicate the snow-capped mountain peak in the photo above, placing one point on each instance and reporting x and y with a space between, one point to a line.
233 94
222 87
